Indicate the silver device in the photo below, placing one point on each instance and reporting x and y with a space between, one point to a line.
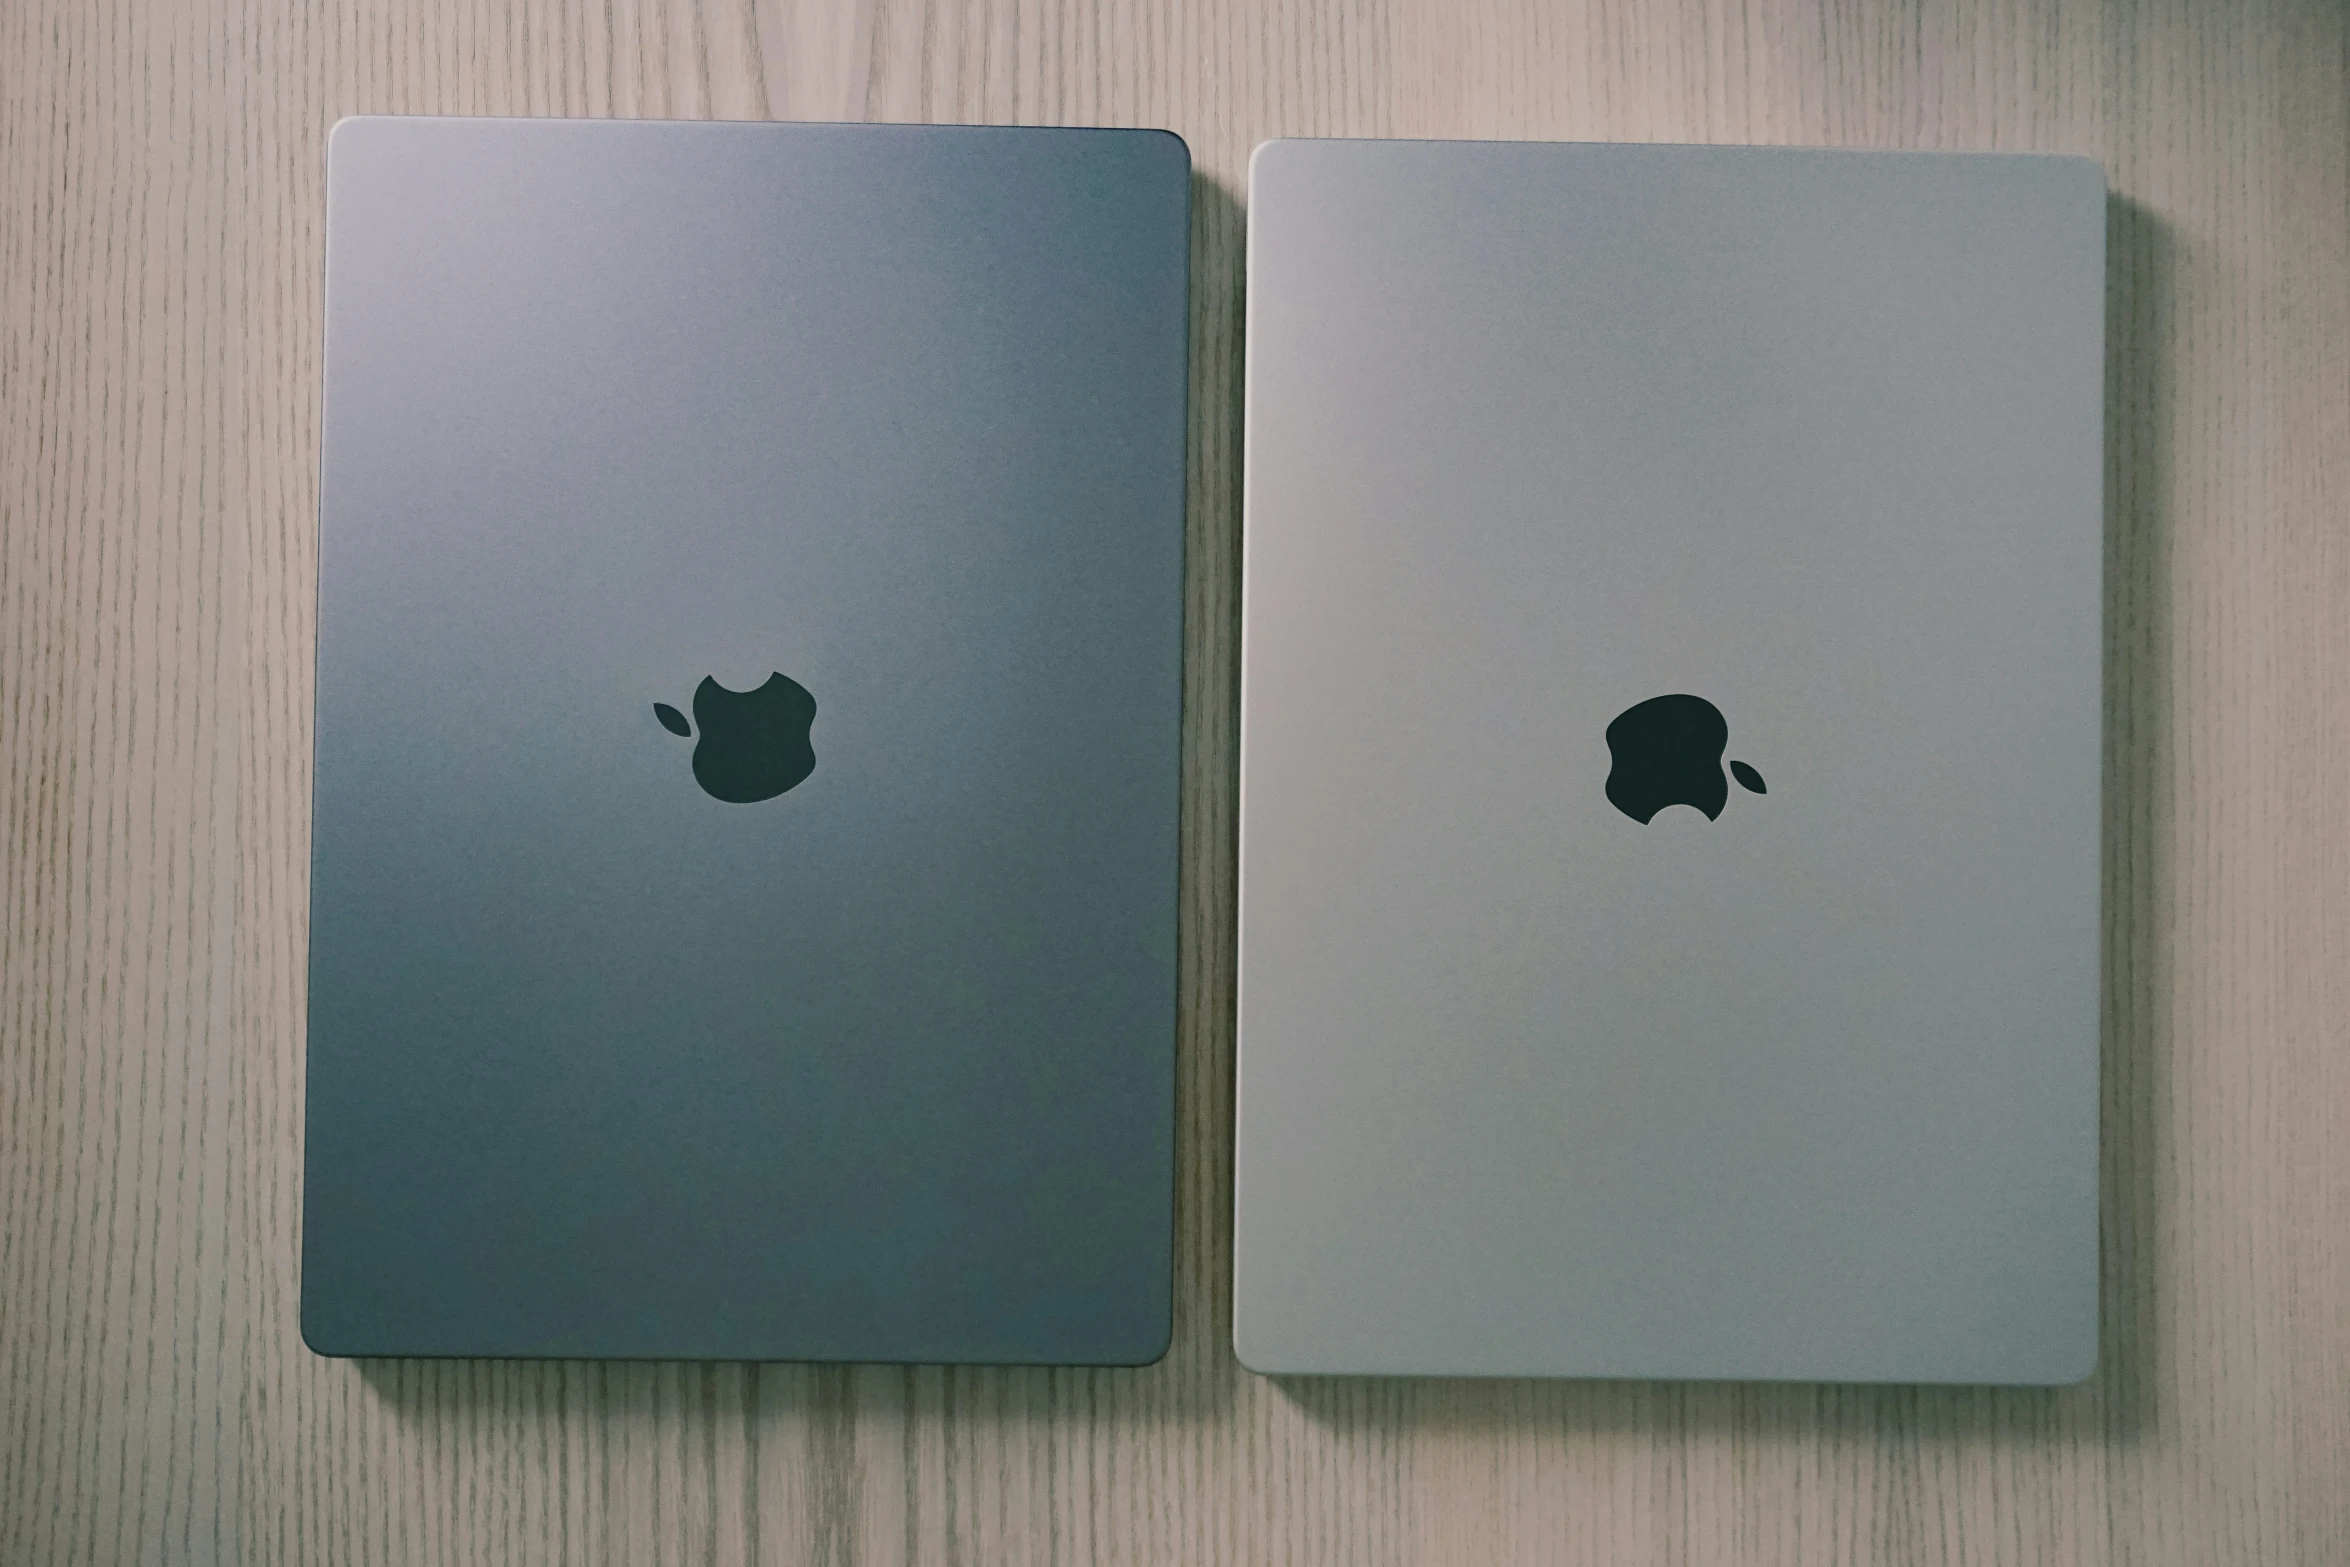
743 896
1669 867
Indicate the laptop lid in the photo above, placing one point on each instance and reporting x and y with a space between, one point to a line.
743 892
1670 763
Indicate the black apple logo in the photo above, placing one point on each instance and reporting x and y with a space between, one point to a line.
1668 751
754 744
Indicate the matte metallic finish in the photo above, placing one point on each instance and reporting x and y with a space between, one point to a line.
881 1068
1535 434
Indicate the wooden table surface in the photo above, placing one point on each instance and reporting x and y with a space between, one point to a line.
160 216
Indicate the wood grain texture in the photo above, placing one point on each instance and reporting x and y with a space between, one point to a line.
160 227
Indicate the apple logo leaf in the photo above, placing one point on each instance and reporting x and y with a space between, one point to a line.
674 721
1748 778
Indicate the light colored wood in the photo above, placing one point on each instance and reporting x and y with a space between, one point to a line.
160 189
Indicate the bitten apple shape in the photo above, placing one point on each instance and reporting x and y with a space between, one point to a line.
754 745
1668 751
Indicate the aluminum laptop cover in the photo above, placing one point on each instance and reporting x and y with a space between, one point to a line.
743 883
1671 722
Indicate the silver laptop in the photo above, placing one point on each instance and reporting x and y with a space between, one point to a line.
1670 763
743 892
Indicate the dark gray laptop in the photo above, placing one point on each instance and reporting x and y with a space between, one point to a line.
1670 760
743 896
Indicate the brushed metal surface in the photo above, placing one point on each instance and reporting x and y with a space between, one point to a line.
1537 434
881 1068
